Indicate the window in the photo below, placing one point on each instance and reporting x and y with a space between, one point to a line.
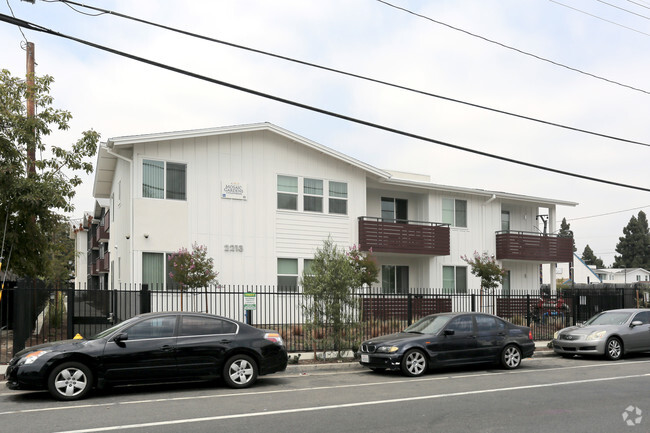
488 324
313 195
505 220
338 202
461 325
155 271
307 266
394 279
643 317
287 275
161 182
287 192
454 279
158 327
454 212
505 284
193 325
394 209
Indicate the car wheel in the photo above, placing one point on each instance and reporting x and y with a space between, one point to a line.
240 371
414 363
614 349
511 357
70 381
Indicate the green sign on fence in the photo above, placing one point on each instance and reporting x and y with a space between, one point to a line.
249 301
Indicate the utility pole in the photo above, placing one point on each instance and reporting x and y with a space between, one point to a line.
31 108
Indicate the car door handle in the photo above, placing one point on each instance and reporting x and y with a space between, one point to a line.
225 341
167 348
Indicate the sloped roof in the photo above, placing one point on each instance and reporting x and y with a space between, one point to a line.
107 158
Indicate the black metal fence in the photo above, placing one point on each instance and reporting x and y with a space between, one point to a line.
31 313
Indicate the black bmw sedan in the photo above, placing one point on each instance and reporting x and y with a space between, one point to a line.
449 339
150 348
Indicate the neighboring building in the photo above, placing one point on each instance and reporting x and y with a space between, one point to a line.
582 273
615 275
262 199
92 256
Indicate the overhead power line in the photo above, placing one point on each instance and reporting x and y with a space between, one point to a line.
38 28
338 71
526 53
600 18
609 213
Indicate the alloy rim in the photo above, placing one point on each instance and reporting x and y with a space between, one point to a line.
512 357
241 371
415 363
70 382
614 349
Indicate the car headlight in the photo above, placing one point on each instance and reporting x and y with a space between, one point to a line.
387 349
33 356
557 333
596 335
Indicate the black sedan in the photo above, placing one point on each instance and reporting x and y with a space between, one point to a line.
151 348
449 339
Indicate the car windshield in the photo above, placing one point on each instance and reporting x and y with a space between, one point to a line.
109 331
429 325
609 318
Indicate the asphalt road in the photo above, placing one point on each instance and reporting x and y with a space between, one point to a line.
548 394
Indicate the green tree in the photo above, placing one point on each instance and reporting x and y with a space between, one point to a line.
192 269
634 247
365 266
565 231
590 258
487 269
29 204
329 298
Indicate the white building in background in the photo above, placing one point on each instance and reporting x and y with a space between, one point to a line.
262 199
582 272
625 276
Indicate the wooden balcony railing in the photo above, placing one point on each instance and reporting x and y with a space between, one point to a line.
403 236
512 245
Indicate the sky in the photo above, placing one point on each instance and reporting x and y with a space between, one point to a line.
117 96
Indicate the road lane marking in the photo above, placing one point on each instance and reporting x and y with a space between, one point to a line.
315 388
346 405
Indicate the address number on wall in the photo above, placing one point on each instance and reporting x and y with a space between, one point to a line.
233 248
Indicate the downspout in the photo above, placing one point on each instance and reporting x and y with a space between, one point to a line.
491 199
130 162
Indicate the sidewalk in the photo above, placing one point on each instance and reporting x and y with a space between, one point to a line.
541 349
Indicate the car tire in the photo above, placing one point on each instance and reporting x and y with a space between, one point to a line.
70 381
511 357
414 363
240 371
614 349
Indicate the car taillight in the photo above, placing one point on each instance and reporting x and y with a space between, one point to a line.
530 334
274 337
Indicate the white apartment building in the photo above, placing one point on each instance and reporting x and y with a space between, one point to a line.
262 199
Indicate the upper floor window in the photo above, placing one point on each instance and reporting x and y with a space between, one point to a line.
338 197
394 209
454 212
292 190
313 195
162 179
287 192
505 220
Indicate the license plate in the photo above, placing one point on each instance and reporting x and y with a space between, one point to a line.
365 358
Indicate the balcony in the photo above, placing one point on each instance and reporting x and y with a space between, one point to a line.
536 247
105 263
403 236
102 233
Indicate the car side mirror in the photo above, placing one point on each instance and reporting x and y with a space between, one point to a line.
636 323
448 332
122 336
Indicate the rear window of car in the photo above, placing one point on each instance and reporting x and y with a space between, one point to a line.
195 325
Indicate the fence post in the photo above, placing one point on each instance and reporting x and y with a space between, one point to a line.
71 313
622 298
473 302
145 299
409 309
528 309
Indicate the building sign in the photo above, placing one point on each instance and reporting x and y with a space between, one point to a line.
233 190
249 301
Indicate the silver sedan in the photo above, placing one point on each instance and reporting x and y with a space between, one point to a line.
612 333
